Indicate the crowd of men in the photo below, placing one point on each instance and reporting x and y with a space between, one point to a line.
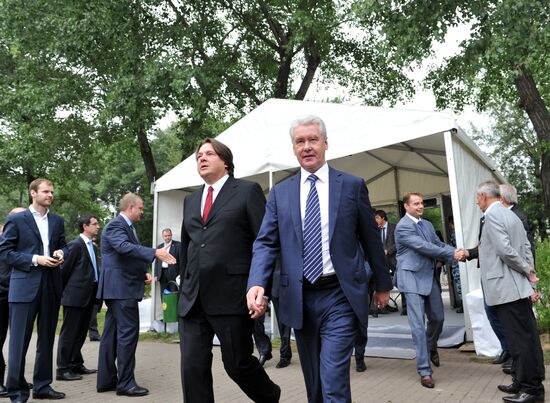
316 248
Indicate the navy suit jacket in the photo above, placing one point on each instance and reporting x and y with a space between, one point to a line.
353 235
417 253
77 272
124 262
19 242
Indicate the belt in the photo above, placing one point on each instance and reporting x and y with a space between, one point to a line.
323 283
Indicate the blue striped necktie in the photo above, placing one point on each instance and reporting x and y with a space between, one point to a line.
313 250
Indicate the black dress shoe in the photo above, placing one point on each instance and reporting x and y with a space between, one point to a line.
283 362
427 381
507 370
434 357
512 388
403 312
49 394
83 370
135 391
68 376
508 363
95 338
524 398
3 391
502 358
265 357
360 366
460 310
106 389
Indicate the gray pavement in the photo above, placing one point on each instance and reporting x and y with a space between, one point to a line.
386 380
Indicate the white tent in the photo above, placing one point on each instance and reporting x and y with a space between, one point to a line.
393 150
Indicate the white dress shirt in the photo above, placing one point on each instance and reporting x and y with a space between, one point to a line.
217 186
323 192
43 228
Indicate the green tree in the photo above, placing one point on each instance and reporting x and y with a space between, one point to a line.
505 58
514 147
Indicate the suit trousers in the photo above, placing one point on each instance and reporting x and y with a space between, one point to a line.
284 332
73 335
425 339
4 321
93 332
234 332
325 344
520 329
262 340
494 321
119 342
45 306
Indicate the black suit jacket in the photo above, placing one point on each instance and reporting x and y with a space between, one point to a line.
77 272
165 274
215 256
528 225
4 279
389 246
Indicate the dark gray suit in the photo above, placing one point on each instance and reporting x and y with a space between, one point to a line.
167 274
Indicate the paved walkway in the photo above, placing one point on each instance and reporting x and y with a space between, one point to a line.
386 380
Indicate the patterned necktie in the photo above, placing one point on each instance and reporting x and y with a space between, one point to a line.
422 228
134 232
384 236
313 251
207 204
92 255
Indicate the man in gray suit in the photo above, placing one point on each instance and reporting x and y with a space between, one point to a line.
418 248
506 263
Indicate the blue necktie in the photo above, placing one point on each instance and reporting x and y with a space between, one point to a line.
92 255
422 228
313 250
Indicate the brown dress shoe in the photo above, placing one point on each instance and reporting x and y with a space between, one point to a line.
427 381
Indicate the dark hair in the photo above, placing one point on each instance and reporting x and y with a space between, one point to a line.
84 220
407 196
223 152
37 182
381 214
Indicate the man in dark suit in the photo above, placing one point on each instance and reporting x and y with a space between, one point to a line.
80 274
121 285
220 222
285 351
320 222
5 272
32 245
418 249
164 272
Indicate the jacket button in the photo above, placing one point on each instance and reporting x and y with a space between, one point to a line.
204 227
203 245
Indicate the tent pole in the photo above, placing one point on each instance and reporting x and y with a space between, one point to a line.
153 284
274 331
457 216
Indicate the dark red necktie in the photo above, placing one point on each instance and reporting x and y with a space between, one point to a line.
207 204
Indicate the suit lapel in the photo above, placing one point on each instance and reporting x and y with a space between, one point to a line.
295 208
85 249
128 230
51 227
228 190
29 219
335 190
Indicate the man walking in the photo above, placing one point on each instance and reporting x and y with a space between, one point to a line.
125 263
80 274
32 245
320 222
418 248
506 263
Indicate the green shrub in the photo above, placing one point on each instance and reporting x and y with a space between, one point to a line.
542 307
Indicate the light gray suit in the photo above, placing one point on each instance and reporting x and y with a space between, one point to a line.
505 261
417 252
505 257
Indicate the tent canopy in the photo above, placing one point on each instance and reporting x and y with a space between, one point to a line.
393 150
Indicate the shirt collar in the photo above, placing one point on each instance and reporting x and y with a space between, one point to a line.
218 184
36 213
321 173
415 220
85 238
491 206
128 221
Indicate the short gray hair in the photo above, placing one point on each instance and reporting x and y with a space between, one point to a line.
306 121
490 188
509 193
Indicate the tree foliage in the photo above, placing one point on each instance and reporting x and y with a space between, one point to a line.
505 58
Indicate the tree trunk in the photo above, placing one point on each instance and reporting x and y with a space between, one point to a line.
533 104
146 154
